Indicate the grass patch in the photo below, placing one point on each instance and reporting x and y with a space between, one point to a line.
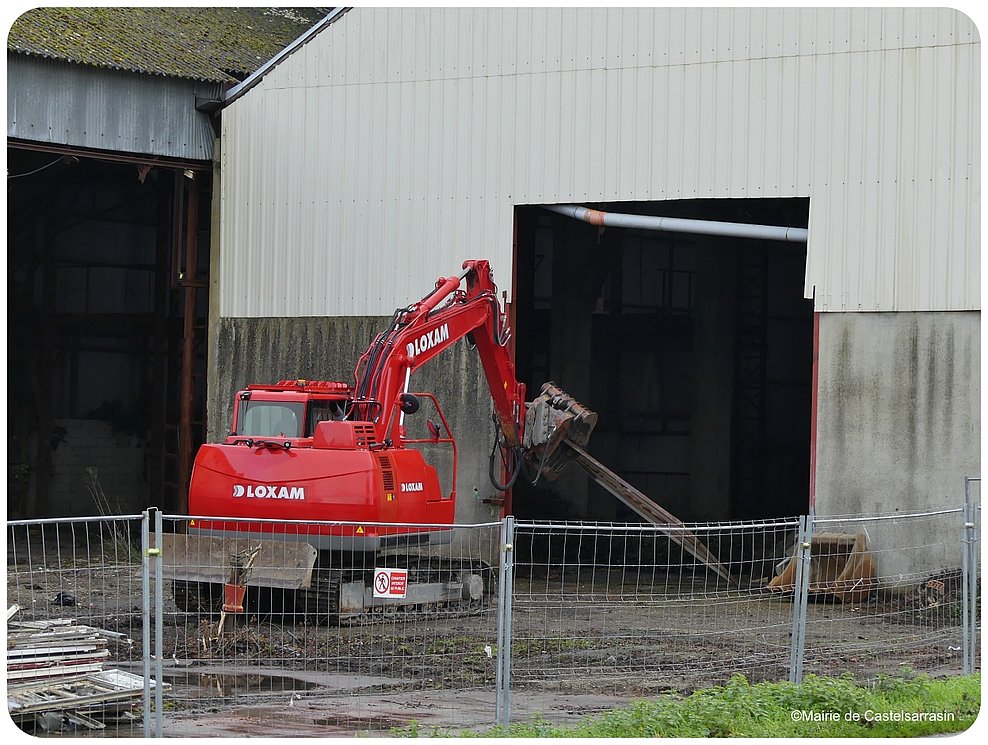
819 707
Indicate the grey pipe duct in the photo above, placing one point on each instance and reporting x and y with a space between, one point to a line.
680 225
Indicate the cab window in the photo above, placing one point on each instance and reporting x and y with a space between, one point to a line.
323 411
271 419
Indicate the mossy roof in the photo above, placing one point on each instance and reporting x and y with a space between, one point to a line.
213 44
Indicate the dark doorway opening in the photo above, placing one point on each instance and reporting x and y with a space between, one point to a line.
106 303
695 351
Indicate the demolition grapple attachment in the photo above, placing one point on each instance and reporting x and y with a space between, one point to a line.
553 419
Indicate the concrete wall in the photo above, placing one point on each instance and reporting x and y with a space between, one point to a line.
264 350
898 420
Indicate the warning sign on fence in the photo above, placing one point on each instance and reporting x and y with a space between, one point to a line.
390 583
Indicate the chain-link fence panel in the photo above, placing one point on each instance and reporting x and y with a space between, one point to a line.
612 612
886 595
76 611
285 628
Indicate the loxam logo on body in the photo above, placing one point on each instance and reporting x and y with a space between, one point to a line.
409 486
427 341
260 491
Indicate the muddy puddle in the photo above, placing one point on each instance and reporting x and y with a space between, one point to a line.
237 684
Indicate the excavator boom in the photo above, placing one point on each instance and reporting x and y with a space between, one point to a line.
425 329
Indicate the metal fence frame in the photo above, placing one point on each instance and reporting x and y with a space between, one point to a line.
153 594
476 541
153 615
101 541
502 707
887 584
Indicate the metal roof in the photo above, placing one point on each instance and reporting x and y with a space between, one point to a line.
222 45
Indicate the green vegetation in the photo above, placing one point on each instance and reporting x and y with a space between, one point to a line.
819 707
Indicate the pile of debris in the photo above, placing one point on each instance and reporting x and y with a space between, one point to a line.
937 601
56 680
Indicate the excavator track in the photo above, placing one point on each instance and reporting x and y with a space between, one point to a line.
343 597
465 588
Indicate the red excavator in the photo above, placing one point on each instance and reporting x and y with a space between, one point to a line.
290 505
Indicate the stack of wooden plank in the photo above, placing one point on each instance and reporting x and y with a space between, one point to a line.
55 675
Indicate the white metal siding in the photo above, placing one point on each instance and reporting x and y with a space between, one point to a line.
395 144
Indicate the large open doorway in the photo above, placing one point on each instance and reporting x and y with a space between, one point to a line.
695 351
106 304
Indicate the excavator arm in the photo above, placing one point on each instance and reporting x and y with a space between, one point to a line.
554 429
423 330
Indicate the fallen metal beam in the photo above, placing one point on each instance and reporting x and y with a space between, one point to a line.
649 510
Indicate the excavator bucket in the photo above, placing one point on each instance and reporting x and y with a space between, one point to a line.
200 558
553 418
840 566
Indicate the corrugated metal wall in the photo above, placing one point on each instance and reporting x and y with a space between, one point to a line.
107 109
396 143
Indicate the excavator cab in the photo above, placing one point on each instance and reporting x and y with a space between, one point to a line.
289 409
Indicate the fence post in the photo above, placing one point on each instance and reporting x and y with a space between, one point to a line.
969 564
159 612
152 614
503 680
800 598
975 580
146 618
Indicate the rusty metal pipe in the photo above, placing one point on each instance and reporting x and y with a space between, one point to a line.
681 225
